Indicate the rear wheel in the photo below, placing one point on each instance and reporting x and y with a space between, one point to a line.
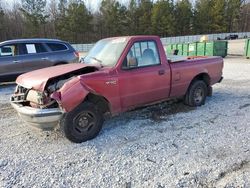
83 123
196 94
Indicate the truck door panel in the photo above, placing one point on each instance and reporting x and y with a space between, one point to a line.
143 78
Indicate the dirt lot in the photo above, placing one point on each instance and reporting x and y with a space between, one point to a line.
166 145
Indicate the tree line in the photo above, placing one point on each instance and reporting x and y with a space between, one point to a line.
72 21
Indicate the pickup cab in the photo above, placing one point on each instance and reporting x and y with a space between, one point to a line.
117 75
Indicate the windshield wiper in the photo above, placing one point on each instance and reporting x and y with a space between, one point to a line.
98 60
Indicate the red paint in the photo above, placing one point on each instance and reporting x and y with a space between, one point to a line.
126 89
37 79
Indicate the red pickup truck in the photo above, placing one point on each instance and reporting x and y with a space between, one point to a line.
117 75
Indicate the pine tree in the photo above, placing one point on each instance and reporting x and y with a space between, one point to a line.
78 21
2 27
144 14
183 17
34 13
203 17
60 20
162 19
62 7
232 14
113 17
133 18
218 16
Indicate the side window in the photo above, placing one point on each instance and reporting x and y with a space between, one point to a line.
40 48
142 54
31 48
22 49
57 47
8 50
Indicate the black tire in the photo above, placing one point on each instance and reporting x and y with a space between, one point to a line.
196 94
83 123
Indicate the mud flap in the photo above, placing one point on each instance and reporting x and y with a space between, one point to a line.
209 91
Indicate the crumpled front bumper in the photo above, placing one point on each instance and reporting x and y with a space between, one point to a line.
45 119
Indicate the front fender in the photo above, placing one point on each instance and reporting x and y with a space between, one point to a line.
71 94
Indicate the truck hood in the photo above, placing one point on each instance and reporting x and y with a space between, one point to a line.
37 79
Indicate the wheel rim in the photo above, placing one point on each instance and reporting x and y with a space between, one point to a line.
198 95
84 122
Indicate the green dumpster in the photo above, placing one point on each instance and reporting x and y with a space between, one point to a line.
216 48
247 48
192 49
180 48
185 49
169 49
201 48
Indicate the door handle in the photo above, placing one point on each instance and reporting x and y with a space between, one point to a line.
161 72
45 58
16 61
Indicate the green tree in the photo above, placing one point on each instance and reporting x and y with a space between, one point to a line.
78 21
62 7
162 19
203 16
60 20
35 17
218 16
233 15
2 28
183 17
113 18
144 14
133 17
245 17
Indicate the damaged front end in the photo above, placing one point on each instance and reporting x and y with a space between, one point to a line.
36 108
44 109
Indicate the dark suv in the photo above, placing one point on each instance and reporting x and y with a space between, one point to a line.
23 55
231 37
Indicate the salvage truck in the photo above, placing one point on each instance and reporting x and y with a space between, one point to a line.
117 75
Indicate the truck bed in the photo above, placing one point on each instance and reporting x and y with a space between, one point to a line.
184 68
179 58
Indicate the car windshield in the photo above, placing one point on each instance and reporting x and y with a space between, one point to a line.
106 52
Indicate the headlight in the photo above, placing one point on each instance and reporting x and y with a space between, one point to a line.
35 97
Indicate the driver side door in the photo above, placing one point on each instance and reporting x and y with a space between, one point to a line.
143 78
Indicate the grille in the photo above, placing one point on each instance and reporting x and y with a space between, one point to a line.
20 94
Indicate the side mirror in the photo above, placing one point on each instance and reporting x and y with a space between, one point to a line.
81 60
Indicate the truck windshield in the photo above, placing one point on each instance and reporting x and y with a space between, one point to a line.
106 52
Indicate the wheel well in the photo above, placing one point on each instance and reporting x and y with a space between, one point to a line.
100 101
203 76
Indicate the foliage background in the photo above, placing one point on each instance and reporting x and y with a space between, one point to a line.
73 21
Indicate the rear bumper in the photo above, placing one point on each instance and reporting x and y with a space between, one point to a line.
44 119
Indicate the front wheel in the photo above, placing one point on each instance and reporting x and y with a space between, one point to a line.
196 94
83 123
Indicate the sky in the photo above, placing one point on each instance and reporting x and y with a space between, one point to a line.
91 4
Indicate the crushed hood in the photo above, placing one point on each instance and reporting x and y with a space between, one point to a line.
37 79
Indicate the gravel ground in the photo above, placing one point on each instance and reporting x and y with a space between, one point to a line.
166 145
